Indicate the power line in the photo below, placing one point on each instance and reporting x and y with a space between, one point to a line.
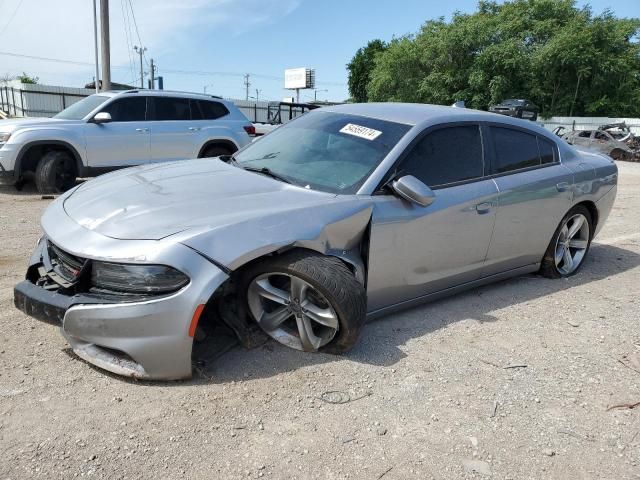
166 70
128 37
135 23
11 18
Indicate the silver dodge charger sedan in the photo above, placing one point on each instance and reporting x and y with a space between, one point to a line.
347 213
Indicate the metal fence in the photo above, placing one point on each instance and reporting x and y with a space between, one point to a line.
26 100
588 123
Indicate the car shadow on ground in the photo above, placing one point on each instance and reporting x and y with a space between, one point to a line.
382 340
29 190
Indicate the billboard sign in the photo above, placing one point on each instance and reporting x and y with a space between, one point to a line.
295 78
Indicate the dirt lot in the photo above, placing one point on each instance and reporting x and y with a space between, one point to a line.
508 381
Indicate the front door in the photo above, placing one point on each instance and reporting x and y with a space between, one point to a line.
414 250
125 141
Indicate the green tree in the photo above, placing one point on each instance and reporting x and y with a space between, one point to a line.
360 68
24 78
564 58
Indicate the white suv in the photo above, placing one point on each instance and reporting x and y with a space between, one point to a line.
112 130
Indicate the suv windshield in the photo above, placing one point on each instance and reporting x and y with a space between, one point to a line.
82 108
331 152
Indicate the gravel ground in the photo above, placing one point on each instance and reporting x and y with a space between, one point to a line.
511 381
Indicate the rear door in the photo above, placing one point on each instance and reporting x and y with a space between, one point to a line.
173 134
535 193
415 250
124 141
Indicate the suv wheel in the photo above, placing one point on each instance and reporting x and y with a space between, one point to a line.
55 172
215 151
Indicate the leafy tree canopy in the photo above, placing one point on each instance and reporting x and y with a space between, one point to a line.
360 68
564 58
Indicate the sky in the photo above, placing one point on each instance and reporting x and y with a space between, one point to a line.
213 43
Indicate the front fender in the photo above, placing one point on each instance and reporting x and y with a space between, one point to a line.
335 228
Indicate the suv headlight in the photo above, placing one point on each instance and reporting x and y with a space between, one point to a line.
4 137
142 279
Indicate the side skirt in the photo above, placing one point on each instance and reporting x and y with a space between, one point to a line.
381 312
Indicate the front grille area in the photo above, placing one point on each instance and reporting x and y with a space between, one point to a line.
68 266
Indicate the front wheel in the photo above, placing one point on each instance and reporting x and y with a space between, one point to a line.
306 301
569 245
55 172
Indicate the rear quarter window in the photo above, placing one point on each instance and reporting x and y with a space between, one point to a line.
207 110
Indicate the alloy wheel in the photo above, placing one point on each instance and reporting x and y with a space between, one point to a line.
292 311
572 244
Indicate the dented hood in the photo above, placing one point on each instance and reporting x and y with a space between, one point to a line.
196 200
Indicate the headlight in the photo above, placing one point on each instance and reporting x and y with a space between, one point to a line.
127 278
4 137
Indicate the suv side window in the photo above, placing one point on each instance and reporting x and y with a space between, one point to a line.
170 108
514 150
446 155
207 110
132 109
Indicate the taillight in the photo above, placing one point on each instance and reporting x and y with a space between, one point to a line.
250 129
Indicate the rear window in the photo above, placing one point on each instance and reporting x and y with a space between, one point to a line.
547 151
514 150
169 108
207 110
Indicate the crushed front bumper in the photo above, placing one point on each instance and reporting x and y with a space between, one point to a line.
144 338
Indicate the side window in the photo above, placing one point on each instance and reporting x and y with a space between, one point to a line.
168 108
447 155
547 150
585 134
131 109
514 150
208 110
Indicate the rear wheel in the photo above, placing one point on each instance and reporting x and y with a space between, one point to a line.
215 151
55 172
306 301
569 245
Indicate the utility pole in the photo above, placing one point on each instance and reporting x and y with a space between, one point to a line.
104 42
95 45
257 95
140 51
315 93
153 75
247 84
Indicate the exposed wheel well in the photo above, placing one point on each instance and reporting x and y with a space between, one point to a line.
226 144
223 307
29 158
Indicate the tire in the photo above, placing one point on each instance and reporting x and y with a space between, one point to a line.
55 172
535 117
554 263
215 151
332 295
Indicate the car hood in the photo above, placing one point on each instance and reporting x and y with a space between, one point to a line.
155 201
16 123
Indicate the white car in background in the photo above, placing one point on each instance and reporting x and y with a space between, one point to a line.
112 130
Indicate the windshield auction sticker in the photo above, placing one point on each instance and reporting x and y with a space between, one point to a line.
360 131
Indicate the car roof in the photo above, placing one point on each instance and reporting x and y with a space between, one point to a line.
162 93
419 113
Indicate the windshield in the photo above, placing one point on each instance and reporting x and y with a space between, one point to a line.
331 152
82 108
513 101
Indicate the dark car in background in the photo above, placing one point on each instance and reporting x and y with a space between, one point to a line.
517 107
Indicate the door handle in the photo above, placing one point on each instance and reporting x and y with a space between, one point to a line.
563 186
483 208
142 130
195 129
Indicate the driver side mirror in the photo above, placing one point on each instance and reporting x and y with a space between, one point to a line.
413 190
102 117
